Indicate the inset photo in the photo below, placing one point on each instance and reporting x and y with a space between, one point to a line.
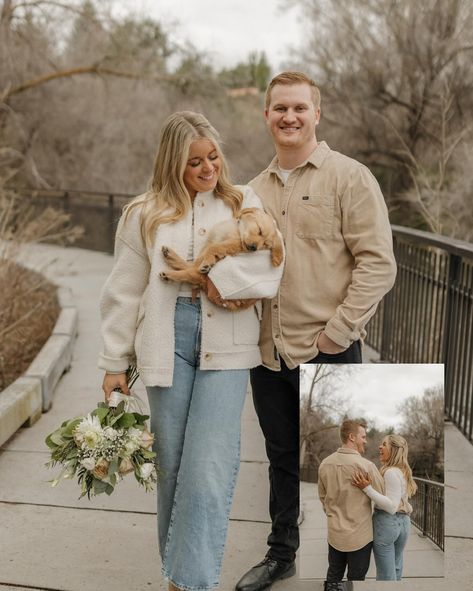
372 473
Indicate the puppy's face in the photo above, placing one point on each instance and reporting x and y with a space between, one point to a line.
257 229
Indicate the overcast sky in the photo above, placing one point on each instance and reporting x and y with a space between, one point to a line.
228 30
376 390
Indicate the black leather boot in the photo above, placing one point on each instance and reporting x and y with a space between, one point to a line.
264 574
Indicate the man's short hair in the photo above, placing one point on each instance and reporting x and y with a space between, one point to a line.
350 426
288 79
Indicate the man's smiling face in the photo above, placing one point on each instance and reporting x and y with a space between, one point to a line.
292 116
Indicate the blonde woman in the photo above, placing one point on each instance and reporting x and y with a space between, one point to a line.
193 356
391 522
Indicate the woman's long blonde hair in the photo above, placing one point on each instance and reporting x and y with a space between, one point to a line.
398 452
168 199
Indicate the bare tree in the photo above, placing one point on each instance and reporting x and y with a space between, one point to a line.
423 427
396 92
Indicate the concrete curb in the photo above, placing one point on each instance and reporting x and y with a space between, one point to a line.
22 402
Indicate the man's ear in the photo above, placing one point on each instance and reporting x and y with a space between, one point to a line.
317 116
266 114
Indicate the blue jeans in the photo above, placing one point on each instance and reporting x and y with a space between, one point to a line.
197 427
390 537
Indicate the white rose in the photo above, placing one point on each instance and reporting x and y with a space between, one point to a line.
134 433
131 447
147 439
110 433
88 463
126 466
146 470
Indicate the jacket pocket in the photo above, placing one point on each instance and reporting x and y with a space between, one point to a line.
315 216
246 327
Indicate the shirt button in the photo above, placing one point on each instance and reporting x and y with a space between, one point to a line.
275 306
201 204
202 231
276 336
209 314
284 212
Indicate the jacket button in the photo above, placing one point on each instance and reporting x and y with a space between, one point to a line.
276 336
209 314
283 212
202 231
207 356
275 306
201 203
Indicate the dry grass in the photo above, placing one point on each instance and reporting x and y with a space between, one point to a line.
29 306
29 311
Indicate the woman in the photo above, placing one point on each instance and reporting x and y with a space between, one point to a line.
391 523
192 355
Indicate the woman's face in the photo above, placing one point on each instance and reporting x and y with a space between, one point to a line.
202 168
384 451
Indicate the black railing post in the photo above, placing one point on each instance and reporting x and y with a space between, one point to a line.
448 356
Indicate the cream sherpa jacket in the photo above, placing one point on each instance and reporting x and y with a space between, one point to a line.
137 307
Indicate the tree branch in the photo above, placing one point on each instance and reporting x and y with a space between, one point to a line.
95 69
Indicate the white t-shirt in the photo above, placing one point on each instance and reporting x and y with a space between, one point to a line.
285 173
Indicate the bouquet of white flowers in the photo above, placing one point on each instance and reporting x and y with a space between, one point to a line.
103 446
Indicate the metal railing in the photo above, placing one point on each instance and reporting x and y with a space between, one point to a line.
428 510
96 212
427 316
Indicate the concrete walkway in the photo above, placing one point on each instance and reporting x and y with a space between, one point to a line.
421 557
51 541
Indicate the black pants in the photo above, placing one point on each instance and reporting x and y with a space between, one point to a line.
276 400
358 563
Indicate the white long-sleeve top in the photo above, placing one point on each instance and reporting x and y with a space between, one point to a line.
395 487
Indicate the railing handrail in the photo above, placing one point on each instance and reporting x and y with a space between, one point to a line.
429 482
450 245
72 191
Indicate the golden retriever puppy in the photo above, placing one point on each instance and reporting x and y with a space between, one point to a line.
252 229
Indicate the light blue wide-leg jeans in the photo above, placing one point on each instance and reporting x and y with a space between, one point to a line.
196 423
390 537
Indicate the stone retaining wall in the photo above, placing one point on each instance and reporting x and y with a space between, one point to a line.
23 401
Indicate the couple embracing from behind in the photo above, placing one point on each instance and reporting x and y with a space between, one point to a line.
194 351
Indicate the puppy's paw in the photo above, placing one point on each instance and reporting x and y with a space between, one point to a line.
164 276
205 268
276 258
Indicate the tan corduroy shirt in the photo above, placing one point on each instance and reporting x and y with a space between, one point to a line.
348 509
339 257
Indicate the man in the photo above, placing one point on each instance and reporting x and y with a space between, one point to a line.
339 264
349 513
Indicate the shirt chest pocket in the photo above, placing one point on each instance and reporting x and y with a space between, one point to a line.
315 216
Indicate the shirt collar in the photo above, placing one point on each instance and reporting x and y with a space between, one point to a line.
316 159
346 450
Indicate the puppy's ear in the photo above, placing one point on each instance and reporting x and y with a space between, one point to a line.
277 250
246 211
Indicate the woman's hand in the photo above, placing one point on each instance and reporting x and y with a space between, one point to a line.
215 297
361 479
113 381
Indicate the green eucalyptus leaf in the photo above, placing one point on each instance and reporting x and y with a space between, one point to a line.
127 420
101 413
